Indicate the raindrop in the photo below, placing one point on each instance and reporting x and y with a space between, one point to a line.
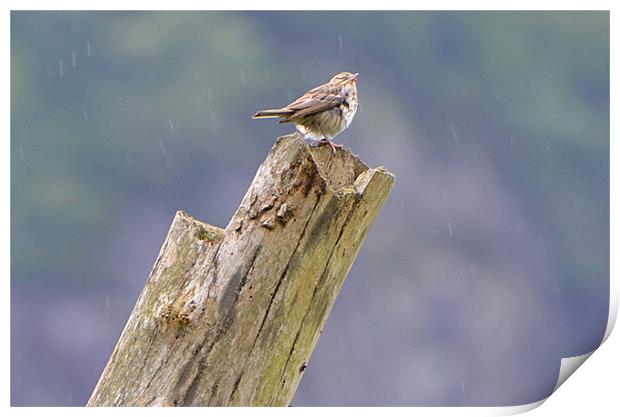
22 136
61 70
498 98
85 115
107 301
402 205
340 41
455 135
450 229
87 48
210 95
73 59
463 386
70 398
170 125
21 153
162 147
242 75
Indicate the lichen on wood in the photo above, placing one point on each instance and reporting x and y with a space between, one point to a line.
230 317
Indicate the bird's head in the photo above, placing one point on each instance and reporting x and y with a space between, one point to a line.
344 78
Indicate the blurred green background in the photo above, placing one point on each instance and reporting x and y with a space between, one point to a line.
489 262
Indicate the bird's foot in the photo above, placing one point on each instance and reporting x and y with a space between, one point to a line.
332 144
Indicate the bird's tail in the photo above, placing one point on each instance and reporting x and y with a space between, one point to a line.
268 114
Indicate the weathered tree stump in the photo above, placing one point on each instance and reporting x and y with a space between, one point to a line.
230 317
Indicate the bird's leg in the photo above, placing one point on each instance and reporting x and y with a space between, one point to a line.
334 146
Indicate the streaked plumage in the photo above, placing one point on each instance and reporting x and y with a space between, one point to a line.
323 112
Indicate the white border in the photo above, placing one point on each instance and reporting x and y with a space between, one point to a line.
591 390
310 5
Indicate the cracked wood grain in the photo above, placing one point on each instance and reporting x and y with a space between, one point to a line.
230 317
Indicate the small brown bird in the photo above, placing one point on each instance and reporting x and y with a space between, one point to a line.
323 112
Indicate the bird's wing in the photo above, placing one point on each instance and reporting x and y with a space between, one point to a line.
316 100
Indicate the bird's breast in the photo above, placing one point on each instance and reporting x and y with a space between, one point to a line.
348 109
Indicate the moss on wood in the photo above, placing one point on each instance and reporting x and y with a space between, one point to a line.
230 317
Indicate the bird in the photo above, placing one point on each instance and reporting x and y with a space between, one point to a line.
323 112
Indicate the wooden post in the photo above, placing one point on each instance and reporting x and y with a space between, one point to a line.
230 317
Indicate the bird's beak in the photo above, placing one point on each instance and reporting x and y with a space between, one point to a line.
355 76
